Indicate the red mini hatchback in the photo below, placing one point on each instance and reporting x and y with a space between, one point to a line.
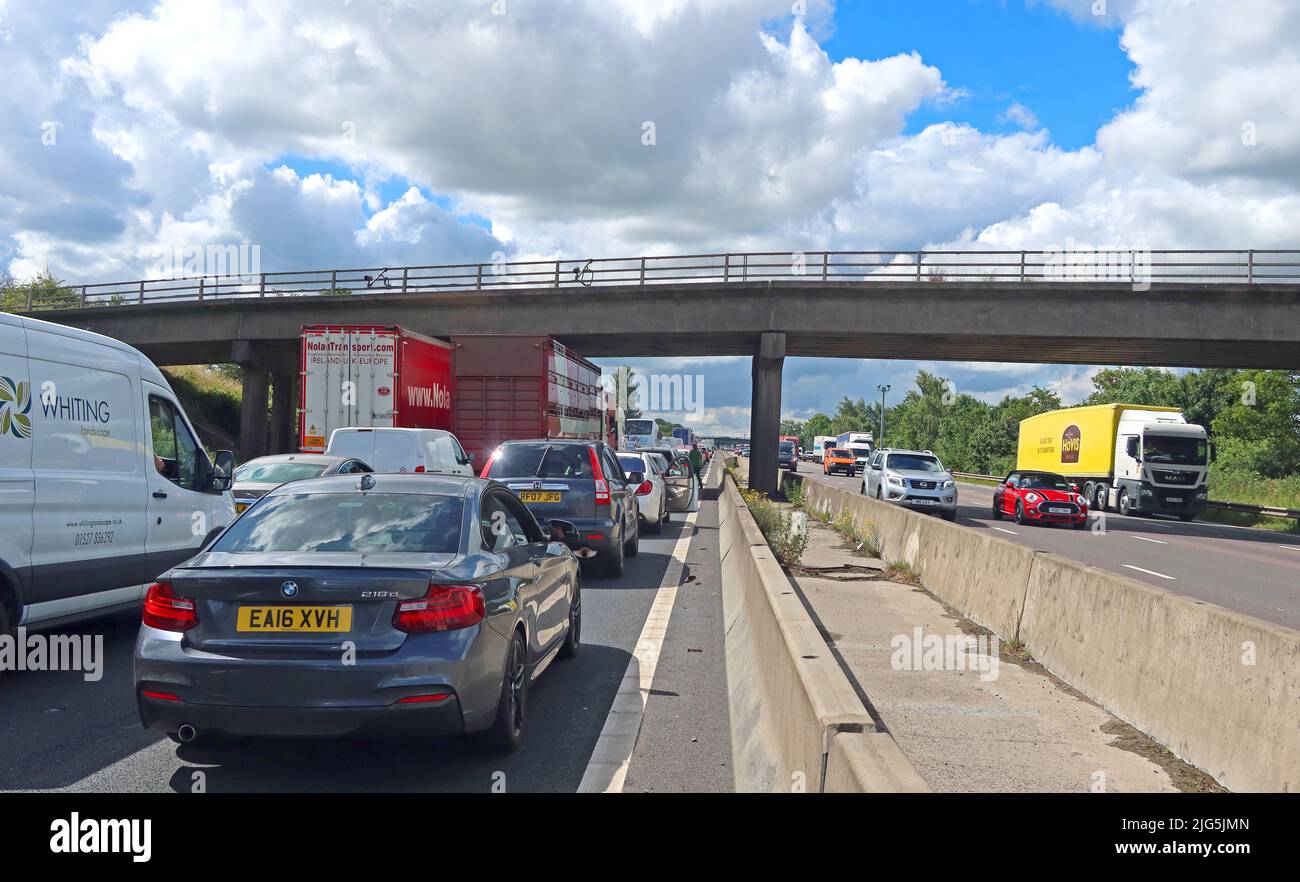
1040 498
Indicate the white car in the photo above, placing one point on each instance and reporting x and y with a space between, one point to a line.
103 482
652 496
915 479
388 450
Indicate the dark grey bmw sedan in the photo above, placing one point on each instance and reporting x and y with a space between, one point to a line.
357 605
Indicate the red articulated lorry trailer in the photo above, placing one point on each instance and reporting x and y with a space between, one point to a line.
372 376
512 387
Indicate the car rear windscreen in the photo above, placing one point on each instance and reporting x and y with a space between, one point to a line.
632 464
276 472
542 461
358 444
370 522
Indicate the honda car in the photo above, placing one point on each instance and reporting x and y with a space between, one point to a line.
582 482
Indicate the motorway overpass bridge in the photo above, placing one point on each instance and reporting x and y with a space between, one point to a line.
1179 309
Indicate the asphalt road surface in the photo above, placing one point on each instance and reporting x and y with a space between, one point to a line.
1256 572
58 731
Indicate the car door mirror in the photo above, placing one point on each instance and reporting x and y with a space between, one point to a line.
223 471
559 530
636 478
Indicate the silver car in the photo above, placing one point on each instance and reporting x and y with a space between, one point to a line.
257 477
356 605
914 478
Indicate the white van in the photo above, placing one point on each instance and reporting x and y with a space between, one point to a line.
103 483
402 450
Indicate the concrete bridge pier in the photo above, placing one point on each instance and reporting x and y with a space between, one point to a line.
270 376
284 410
765 411
253 421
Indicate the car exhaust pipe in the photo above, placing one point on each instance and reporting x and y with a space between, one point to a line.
187 733
585 553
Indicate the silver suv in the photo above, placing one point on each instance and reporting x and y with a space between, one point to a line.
914 478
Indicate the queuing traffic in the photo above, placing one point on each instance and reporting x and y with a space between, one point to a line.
403 581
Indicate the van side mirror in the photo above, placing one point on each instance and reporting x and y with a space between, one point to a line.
223 471
1214 451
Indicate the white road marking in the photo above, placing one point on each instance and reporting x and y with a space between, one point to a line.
1008 532
607 768
1156 541
1290 547
1151 572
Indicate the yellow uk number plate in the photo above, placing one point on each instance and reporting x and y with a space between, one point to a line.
305 619
541 495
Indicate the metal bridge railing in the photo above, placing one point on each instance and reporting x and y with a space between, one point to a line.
1128 267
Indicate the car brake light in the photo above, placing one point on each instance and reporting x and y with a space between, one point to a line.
644 488
159 696
442 608
167 611
419 468
602 488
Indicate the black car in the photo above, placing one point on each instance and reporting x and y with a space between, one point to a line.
787 457
581 482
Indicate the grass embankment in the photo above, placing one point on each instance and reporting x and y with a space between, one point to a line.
212 401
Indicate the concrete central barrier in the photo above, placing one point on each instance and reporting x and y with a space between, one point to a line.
797 723
1218 688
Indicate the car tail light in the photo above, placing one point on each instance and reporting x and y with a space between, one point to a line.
443 608
602 488
644 489
419 468
166 610
159 696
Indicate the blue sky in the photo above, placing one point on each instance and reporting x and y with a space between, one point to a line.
1072 76
523 133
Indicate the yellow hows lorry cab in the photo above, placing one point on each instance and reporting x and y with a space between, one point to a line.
1136 459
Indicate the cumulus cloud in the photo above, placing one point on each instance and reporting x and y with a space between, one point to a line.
600 127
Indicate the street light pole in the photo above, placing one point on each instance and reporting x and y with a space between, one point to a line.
882 390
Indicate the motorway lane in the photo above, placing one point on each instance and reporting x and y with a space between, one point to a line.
1256 572
60 732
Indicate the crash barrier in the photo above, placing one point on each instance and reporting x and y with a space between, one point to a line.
797 724
1242 507
1218 688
